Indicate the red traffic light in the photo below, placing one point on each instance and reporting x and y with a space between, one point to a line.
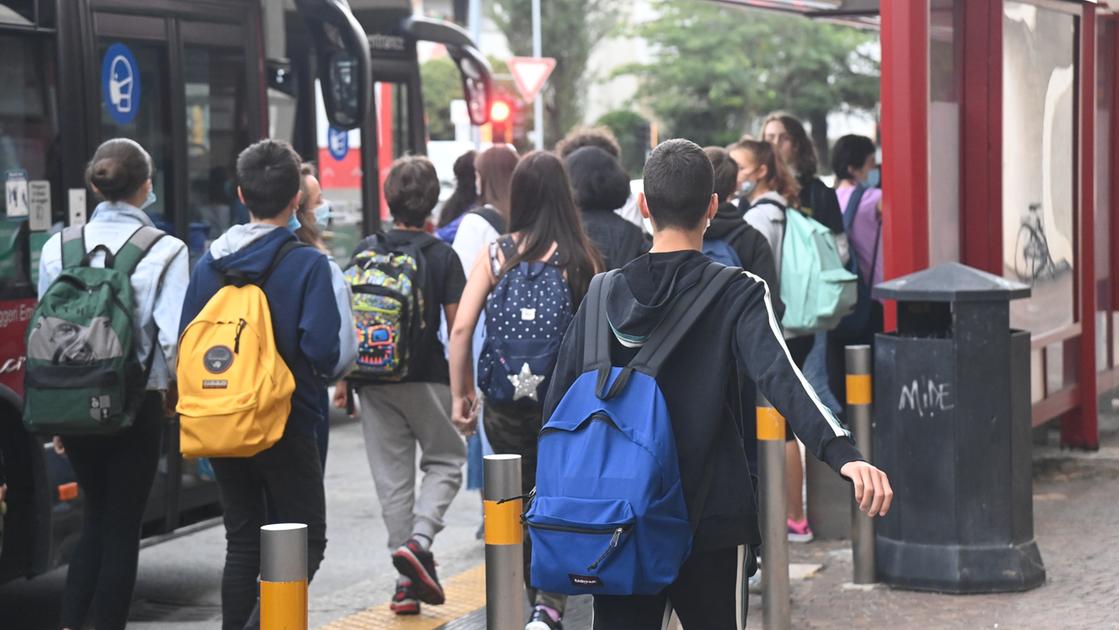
500 111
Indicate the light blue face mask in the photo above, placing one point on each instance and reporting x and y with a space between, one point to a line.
748 187
293 223
323 213
873 178
151 199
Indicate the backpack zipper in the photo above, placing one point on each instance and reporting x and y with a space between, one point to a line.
615 538
237 339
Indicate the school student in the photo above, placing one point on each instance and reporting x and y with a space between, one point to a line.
462 200
490 219
601 186
285 479
414 407
737 333
115 472
529 283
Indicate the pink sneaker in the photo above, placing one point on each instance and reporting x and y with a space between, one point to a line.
799 531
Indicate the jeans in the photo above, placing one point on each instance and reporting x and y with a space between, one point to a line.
709 593
288 479
115 474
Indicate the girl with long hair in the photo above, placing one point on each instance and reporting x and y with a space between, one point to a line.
529 283
462 200
490 218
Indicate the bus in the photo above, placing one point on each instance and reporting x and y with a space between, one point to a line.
194 82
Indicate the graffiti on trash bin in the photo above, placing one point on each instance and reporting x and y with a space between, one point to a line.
926 397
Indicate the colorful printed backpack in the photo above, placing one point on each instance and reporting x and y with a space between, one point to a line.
386 280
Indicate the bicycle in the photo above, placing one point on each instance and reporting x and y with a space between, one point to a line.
1032 257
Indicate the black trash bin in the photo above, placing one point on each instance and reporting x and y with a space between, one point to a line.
952 430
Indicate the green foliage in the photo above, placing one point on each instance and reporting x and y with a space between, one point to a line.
632 132
441 85
716 70
569 31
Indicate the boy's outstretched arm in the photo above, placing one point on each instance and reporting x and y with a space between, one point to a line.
761 352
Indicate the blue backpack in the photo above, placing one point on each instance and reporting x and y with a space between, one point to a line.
609 516
526 315
720 249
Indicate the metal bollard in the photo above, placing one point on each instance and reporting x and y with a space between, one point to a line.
283 577
859 414
505 607
775 534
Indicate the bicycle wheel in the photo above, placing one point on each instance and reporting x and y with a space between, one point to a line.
1025 254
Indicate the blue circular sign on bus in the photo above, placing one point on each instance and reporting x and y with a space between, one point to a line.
338 143
120 83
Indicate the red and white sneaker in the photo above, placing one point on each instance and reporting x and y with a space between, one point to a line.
418 564
799 531
404 601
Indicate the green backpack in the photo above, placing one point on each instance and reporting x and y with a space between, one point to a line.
815 287
83 376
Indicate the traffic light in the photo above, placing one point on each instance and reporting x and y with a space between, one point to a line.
501 119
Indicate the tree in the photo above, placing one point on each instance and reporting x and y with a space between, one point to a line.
632 132
441 85
717 70
569 31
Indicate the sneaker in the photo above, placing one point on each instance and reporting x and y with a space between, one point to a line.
799 531
404 601
754 584
415 562
541 620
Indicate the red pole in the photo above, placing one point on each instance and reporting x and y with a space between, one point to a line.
1080 428
905 151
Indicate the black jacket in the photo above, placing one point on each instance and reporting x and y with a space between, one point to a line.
818 201
738 333
618 241
751 247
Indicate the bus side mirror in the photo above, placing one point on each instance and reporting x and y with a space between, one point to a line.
477 82
341 89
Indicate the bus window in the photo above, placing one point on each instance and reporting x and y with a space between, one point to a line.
28 119
21 12
151 124
216 132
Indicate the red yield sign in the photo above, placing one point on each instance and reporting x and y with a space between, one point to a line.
530 74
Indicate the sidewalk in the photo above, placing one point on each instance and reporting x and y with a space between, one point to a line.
1076 523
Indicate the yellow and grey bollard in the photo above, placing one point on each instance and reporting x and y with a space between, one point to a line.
505 607
860 397
775 533
283 577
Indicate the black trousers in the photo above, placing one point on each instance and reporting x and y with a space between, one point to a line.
286 481
708 594
115 474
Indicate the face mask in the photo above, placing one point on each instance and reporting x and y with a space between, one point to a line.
873 179
323 213
748 187
293 223
149 201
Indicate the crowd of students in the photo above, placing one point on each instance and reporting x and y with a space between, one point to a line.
477 331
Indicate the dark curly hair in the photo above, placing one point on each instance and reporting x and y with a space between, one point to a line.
804 160
580 137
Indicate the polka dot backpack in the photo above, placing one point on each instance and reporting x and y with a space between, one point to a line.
527 314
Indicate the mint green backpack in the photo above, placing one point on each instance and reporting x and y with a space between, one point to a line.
815 287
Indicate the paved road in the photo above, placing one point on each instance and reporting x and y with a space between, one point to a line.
179 582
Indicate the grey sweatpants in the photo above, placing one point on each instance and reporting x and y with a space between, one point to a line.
395 418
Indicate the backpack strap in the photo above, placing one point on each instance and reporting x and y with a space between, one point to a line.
493 217
135 248
73 246
596 336
733 235
852 206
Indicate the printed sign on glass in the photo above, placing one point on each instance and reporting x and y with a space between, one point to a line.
120 83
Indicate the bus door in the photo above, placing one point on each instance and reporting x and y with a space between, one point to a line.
180 79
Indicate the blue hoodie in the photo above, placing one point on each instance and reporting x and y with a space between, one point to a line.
304 313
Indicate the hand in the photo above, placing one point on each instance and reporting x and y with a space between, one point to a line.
59 447
170 400
872 488
341 398
464 414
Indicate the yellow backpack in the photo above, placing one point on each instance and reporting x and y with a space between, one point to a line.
234 388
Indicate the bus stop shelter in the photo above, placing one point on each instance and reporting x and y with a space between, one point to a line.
998 140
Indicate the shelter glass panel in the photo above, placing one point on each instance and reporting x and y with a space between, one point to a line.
1039 186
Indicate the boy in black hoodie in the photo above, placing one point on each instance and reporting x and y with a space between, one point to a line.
738 334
